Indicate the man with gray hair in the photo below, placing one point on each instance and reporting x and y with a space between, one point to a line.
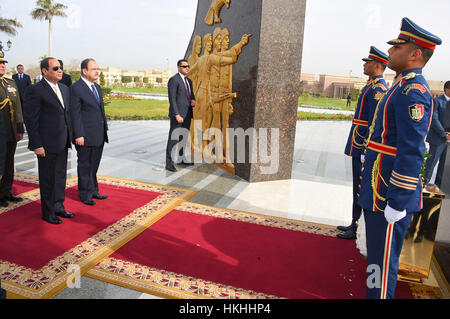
89 129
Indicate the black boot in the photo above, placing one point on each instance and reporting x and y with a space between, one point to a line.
349 234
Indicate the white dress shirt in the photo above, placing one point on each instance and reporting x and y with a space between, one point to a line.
55 88
89 84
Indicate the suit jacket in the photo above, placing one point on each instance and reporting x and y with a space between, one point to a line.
178 97
22 84
66 80
47 121
437 132
87 115
14 126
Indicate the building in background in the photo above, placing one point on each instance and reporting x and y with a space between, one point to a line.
336 86
129 78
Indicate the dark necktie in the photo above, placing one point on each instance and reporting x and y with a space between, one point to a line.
95 94
188 90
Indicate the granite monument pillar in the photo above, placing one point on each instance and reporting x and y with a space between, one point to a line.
245 59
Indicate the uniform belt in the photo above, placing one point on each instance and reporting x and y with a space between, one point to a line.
382 148
360 122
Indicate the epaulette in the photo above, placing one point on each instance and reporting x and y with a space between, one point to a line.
414 86
380 85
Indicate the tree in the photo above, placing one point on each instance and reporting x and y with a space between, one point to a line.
46 10
9 26
75 75
102 79
127 79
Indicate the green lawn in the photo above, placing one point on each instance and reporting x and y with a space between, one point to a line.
326 102
142 90
153 109
323 116
141 109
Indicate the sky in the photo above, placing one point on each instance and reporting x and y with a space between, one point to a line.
154 34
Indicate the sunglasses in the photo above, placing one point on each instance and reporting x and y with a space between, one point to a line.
184 66
56 68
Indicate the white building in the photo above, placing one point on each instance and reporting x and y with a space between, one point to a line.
113 76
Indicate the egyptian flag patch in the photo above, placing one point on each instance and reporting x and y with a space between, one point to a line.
377 96
416 112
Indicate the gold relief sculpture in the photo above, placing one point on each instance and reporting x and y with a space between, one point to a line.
212 77
196 50
213 14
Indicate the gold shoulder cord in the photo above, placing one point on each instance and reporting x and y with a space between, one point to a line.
355 131
6 102
376 166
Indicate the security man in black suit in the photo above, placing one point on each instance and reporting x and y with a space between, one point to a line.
181 100
87 113
47 119
11 111
22 81
66 78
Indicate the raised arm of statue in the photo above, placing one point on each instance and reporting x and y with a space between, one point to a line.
220 60
236 50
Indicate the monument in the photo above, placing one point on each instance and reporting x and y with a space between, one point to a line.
245 59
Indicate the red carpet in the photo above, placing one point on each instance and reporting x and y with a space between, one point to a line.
24 183
32 252
197 251
20 187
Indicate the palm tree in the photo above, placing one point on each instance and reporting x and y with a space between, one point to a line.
9 26
46 10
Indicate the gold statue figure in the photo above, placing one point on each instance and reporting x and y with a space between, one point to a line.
212 16
213 76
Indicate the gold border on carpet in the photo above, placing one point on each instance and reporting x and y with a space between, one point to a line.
21 282
172 285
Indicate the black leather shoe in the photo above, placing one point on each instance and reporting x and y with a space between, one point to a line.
349 234
89 202
186 163
13 198
98 196
419 238
344 228
65 214
53 220
3 203
171 168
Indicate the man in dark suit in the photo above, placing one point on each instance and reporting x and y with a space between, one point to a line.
181 100
47 119
438 136
90 128
11 111
66 78
22 81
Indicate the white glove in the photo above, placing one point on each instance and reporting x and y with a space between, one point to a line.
363 158
392 215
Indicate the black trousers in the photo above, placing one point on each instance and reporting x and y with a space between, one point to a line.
356 209
171 143
8 174
52 182
88 163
